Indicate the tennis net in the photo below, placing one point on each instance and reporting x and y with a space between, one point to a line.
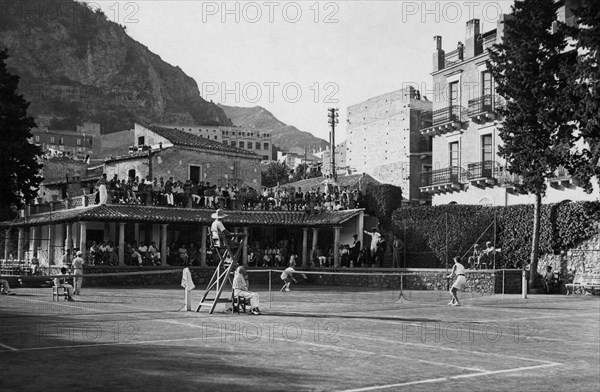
378 287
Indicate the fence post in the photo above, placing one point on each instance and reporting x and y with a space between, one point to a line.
503 282
524 284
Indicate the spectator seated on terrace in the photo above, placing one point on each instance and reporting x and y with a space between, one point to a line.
107 254
154 254
188 193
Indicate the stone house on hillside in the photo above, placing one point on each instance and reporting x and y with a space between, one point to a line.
165 152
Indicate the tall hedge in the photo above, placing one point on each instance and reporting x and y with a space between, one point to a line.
429 231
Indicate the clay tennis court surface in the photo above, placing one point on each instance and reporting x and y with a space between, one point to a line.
309 339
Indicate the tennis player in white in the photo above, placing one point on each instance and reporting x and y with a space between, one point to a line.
288 276
459 270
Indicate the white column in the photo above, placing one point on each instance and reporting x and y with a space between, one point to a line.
136 232
315 239
32 240
106 231
203 234
163 245
68 237
51 260
75 234
6 244
20 243
83 237
245 248
336 246
304 246
121 243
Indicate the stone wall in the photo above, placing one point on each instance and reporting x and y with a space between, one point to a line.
582 260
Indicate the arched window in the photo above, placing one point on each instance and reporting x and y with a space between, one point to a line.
486 201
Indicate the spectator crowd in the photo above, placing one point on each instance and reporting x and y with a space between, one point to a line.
189 193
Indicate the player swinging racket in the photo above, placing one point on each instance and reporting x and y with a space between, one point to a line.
459 270
288 276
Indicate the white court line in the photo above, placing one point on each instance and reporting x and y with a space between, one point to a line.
87 306
441 379
446 348
405 343
8 347
110 344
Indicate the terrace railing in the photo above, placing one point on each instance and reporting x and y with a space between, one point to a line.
449 175
447 115
484 169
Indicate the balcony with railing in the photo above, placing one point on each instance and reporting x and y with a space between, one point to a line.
563 179
63 204
454 57
445 180
508 180
483 109
483 174
444 120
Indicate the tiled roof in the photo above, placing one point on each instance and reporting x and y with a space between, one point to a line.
151 214
342 181
131 155
182 138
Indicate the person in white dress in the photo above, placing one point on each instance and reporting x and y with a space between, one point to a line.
459 270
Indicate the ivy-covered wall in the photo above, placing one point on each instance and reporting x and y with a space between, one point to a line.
432 236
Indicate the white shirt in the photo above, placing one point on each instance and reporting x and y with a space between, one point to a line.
216 228
287 272
78 263
375 238
459 269
239 282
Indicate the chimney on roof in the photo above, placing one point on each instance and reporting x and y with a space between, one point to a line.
473 41
438 54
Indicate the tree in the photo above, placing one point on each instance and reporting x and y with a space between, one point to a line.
19 167
382 200
584 93
304 171
528 69
275 173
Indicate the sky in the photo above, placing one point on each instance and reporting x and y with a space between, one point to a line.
299 58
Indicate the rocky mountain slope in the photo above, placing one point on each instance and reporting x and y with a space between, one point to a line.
286 137
76 65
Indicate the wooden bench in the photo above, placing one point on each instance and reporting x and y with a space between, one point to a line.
584 284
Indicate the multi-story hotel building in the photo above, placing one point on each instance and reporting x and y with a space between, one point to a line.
383 140
257 141
69 143
464 128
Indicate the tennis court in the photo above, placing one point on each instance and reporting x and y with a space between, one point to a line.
314 338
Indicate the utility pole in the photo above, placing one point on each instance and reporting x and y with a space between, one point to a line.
333 119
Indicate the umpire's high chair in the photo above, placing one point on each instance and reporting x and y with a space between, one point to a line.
228 262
